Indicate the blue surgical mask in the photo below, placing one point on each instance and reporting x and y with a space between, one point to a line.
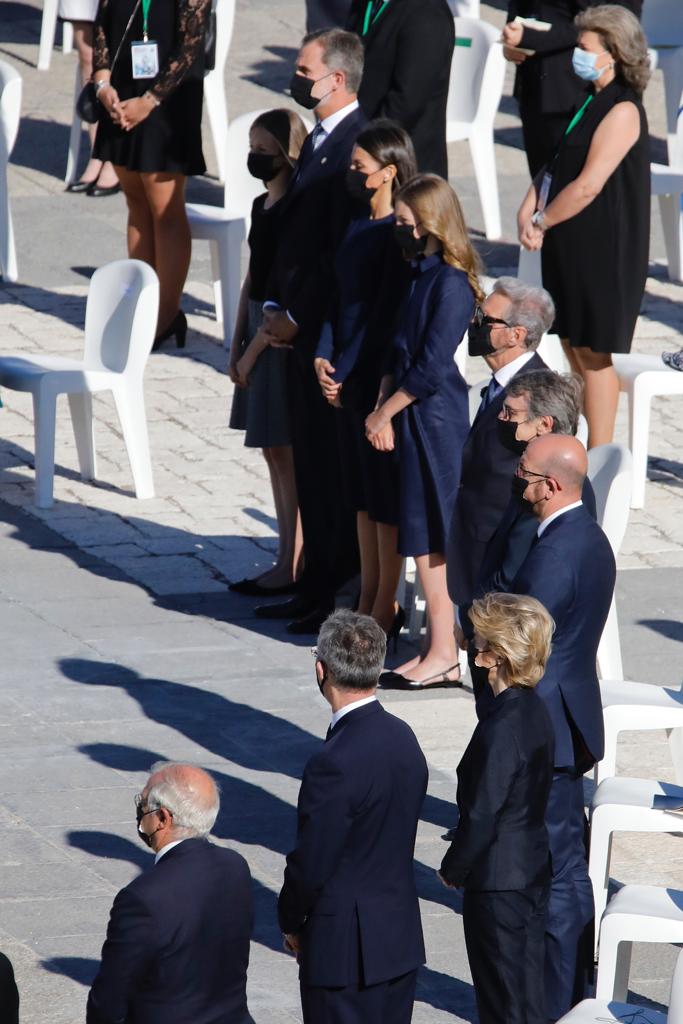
584 64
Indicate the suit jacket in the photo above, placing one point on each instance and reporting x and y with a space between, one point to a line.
177 946
571 570
485 482
547 80
408 54
316 210
504 780
349 890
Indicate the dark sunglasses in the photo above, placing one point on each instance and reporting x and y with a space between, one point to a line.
480 318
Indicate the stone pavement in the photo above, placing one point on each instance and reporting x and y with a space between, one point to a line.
137 651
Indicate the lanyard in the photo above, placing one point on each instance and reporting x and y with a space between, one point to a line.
369 20
574 121
146 4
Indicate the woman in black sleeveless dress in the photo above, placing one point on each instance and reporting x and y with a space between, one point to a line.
150 129
595 228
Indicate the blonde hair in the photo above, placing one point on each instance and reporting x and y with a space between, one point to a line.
288 130
437 209
623 38
518 630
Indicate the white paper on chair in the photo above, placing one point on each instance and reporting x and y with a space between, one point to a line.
538 26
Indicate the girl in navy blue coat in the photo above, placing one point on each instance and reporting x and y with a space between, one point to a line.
422 408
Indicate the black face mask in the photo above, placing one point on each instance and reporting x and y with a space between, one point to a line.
506 435
479 340
301 88
139 815
319 681
412 247
519 486
263 166
356 186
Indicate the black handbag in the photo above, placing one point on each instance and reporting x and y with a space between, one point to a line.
87 104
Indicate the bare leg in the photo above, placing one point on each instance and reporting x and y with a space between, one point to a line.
369 563
281 467
571 356
140 221
165 195
95 170
441 655
390 566
601 394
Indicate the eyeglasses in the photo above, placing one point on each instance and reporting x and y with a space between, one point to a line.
529 473
506 413
480 318
139 813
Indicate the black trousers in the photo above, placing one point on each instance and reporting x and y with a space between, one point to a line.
389 1002
326 14
9 994
504 935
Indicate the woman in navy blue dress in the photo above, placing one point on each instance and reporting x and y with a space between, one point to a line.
422 409
370 277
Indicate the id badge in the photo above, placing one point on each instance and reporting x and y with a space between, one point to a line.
145 59
544 192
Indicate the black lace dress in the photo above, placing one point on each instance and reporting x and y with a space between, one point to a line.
170 138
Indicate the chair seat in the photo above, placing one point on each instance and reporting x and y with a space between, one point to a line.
627 792
590 1010
659 375
199 213
24 373
649 902
665 180
615 692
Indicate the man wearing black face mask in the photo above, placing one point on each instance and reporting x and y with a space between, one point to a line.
177 946
506 331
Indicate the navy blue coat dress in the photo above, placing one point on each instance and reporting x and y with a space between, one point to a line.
430 432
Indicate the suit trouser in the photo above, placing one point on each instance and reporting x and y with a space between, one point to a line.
389 1002
9 994
327 519
504 935
326 14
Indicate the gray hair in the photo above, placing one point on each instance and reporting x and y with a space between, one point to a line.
559 395
342 51
530 307
352 647
193 816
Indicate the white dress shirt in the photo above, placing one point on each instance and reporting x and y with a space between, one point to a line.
165 849
350 707
505 373
556 515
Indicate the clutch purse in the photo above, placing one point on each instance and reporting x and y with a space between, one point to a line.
87 105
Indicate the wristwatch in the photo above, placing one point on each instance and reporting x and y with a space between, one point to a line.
538 220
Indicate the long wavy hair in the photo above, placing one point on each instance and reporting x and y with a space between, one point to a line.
437 209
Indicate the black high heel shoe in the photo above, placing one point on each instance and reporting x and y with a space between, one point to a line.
396 627
177 327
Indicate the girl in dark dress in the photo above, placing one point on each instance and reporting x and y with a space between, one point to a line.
370 277
150 129
594 229
260 404
423 404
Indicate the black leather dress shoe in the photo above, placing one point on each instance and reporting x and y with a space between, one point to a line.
97 191
252 588
292 609
79 186
310 623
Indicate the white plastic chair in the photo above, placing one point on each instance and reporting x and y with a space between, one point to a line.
637 913
74 135
662 22
464 8
214 84
10 111
624 805
476 86
48 30
643 378
120 323
597 1011
636 707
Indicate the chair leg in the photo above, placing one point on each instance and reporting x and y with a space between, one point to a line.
44 413
484 160
130 406
598 866
613 968
230 259
8 252
622 972
639 419
214 250
609 651
217 108
607 768
80 407
48 29
672 226
67 37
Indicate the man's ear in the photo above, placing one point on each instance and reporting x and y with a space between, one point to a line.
165 818
554 485
546 424
519 335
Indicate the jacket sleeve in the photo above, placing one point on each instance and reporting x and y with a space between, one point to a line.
324 821
480 806
447 319
415 80
128 950
518 544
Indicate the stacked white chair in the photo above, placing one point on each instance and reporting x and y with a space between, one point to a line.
476 86
637 707
10 111
48 30
120 324
214 84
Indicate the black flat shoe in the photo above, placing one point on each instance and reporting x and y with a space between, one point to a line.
310 623
177 328
295 608
439 681
80 186
98 191
252 588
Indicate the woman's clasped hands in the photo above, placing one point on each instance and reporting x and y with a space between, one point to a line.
379 431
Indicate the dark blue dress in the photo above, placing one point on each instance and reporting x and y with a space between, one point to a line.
371 277
431 432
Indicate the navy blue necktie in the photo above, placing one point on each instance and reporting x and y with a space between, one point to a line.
490 393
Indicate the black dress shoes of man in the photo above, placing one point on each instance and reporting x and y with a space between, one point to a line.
295 608
310 623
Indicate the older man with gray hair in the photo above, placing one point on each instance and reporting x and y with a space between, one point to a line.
506 331
177 946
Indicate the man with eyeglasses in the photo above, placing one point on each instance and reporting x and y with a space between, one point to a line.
571 571
506 332
177 947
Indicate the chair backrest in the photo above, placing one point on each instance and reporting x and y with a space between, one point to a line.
676 999
10 108
662 22
241 189
121 317
225 23
610 472
464 8
477 72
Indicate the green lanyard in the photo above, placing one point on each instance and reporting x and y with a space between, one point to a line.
369 20
574 121
146 4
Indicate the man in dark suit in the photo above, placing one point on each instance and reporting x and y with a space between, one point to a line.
177 946
9 993
408 53
315 212
506 332
348 907
571 571
546 87
326 14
